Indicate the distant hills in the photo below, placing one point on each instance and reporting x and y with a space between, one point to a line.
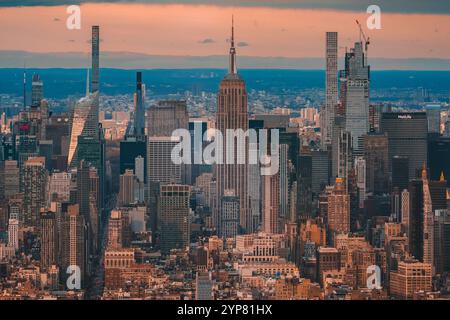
128 60
60 83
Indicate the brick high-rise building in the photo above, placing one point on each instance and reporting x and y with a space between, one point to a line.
338 215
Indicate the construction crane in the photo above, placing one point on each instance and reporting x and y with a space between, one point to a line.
366 39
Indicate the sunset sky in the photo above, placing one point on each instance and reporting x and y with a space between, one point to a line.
286 28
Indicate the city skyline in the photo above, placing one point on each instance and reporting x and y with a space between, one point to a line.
149 194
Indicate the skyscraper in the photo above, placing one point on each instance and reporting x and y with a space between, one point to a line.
357 87
400 172
127 188
37 91
338 209
331 88
173 217
49 239
232 113
9 178
428 220
434 118
73 241
35 181
139 112
167 116
376 154
13 233
342 152
82 125
407 135
95 83
160 167
229 220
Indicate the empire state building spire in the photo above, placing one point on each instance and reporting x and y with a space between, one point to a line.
232 69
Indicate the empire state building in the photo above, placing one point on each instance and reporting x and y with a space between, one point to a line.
232 113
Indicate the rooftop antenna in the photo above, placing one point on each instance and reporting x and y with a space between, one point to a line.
232 50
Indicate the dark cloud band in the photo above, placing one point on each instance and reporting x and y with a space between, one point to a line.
400 6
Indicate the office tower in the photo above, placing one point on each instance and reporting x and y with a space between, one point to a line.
342 153
83 188
433 112
173 217
407 135
9 178
441 241
415 219
411 276
166 117
203 286
439 157
13 233
338 209
438 193
405 210
357 89
7 147
49 239
400 172
232 113
270 204
284 174
37 91
81 125
304 183
46 151
420 219
331 88
396 205
88 199
130 149
320 171
229 220
197 129
26 146
139 171
35 181
376 153
328 259
74 242
160 167
127 188
140 179
139 112
115 230
59 186
360 171
92 151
